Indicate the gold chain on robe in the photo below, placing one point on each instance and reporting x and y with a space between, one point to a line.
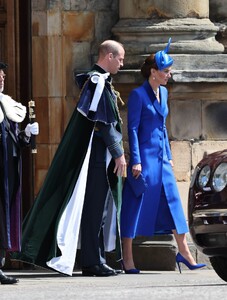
118 98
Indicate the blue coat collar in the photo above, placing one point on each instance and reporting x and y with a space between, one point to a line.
160 107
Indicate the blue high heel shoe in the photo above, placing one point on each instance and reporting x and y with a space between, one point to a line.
130 271
181 259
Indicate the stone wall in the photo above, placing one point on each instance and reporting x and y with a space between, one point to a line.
197 91
65 38
197 127
65 35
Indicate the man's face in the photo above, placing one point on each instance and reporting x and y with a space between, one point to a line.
116 62
2 80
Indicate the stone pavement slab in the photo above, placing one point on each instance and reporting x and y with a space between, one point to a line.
37 285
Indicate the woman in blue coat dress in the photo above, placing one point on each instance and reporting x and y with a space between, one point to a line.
158 209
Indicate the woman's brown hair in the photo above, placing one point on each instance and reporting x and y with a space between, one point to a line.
148 64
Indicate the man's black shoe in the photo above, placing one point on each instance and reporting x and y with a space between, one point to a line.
98 270
118 271
7 279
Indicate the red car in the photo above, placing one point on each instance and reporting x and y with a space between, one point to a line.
207 209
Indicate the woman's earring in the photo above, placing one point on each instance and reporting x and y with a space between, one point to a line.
154 78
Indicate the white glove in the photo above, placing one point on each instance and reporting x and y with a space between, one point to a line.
32 129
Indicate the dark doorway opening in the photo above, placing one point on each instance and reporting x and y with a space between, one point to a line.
25 75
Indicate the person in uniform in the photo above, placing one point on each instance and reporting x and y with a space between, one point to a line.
12 139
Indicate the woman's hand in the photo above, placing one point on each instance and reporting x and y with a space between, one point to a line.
136 170
171 163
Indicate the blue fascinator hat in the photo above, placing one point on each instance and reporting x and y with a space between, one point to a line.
162 59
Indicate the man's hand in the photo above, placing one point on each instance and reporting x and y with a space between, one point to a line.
120 166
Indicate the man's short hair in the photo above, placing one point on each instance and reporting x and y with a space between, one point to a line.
109 46
3 66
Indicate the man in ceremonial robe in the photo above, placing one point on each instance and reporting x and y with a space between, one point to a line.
11 141
79 203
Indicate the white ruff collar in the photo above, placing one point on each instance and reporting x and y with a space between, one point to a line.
14 110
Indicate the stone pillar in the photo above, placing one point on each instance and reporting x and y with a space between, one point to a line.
146 25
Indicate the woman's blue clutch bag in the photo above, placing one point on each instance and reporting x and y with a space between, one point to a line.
138 185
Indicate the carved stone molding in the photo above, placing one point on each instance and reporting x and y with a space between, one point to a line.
145 27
